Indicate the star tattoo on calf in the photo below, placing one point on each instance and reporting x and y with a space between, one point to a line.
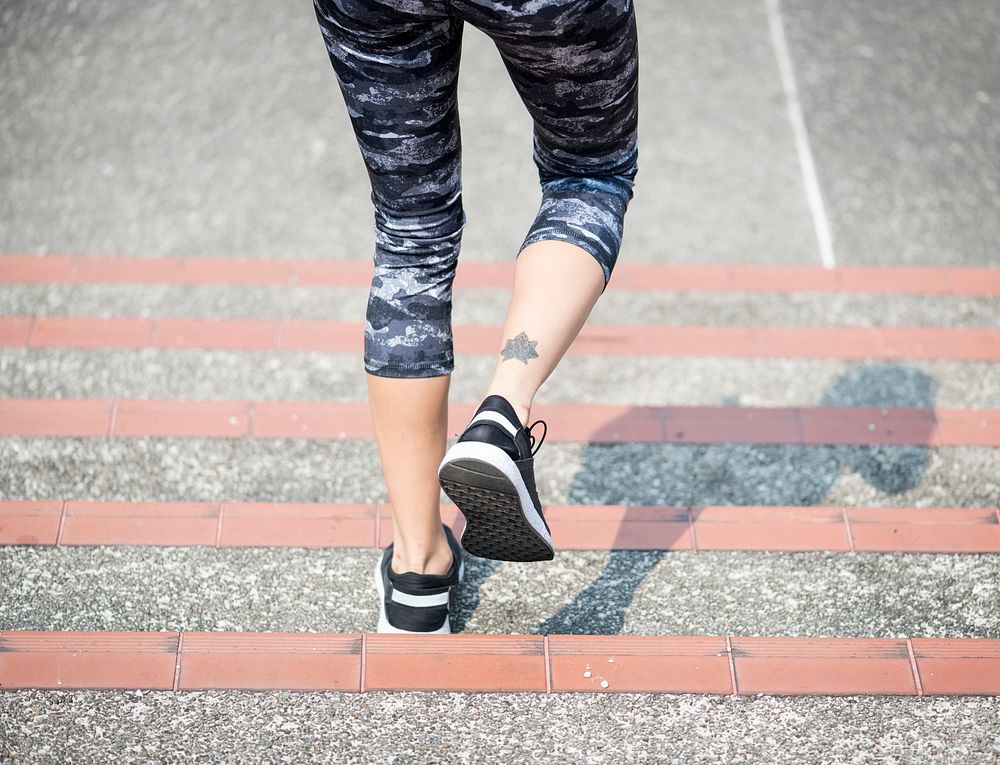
520 348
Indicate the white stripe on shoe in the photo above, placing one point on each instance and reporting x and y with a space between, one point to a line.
420 601
495 417
383 621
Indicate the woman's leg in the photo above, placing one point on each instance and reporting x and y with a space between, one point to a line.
576 68
411 420
397 67
556 284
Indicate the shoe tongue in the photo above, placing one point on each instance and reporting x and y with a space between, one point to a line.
497 403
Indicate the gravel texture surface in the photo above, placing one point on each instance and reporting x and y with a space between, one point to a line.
637 474
622 592
238 727
651 381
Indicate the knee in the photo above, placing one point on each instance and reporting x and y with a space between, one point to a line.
584 202
419 227
617 158
408 330
408 337
612 176
416 256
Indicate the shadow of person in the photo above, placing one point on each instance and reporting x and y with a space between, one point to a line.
890 469
477 571
692 475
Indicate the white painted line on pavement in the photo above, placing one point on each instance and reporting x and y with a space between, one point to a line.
795 116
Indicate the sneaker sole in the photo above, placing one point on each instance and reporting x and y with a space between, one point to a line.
383 621
501 521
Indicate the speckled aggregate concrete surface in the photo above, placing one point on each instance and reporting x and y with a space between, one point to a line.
286 727
651 381
346 470
621 592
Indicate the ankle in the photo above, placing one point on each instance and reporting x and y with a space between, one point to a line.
521 404
434 559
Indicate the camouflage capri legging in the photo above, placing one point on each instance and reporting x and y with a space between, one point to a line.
575 65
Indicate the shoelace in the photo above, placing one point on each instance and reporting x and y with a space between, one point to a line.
531 436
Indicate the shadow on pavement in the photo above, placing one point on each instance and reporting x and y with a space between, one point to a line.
719 475
722 474
477 571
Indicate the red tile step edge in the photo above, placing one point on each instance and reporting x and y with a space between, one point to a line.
957 344
592 423
182 661
89 269
574 527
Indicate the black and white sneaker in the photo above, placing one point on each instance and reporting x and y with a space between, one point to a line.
489 474
411 602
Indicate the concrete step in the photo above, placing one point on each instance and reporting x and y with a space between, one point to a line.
862 595
238 727
652 381
293 470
